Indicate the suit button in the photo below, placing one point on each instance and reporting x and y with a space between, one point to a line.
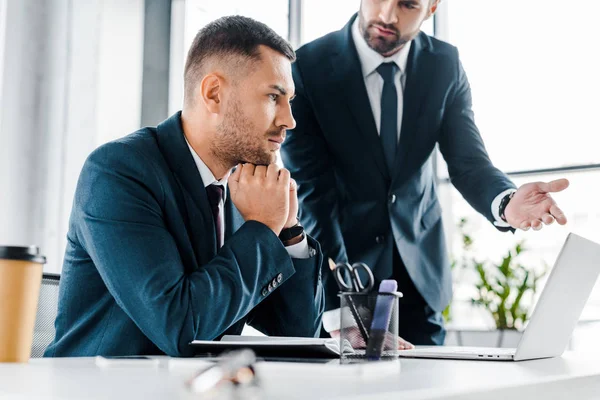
270 287
279 278
392 198
379 239
265 292
274 282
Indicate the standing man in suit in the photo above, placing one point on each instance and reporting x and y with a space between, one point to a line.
155 259
373 99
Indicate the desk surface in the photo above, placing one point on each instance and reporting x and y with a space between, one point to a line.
575 375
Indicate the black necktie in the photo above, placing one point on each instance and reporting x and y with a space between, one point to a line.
389 113
215 197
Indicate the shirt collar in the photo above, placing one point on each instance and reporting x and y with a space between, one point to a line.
208 178
370 59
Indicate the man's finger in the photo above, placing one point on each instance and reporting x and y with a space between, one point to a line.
536 225
525 225
284 176
272 172
235 176
404 345
547 219
260 171
557 185
234 180
558 214
247 172
293 185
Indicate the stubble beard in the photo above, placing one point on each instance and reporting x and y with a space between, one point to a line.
237 141
379 44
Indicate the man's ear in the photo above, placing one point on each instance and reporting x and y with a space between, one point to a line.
210 92
433 8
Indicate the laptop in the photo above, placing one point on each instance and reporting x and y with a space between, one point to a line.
555 316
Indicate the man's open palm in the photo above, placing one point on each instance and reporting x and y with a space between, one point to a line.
532 204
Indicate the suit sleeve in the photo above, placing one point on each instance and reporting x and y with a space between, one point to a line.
306 155
296 307
123 229
470 168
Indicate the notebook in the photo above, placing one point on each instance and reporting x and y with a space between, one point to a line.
275 346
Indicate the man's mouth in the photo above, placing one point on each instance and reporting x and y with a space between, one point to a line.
383 31
276 142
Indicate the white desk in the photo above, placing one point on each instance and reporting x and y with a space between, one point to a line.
574 376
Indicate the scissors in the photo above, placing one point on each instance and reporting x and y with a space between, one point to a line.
356 283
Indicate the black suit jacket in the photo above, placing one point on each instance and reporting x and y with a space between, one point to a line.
350 201
142 273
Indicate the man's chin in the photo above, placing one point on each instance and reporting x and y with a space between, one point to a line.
261 160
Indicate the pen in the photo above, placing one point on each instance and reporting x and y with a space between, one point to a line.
235 366
381 318
361 326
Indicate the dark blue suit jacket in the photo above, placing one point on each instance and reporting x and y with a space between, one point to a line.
142 274
350 201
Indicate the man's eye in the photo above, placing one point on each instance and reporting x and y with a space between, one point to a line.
273 96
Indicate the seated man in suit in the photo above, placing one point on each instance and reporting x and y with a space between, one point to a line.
159 253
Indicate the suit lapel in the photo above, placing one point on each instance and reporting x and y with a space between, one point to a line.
419 74
174 148
347 75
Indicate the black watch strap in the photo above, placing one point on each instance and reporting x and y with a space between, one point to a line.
503 203
291 232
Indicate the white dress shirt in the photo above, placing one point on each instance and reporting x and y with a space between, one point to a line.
298 250
369 61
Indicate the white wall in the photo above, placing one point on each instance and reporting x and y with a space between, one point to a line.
71 80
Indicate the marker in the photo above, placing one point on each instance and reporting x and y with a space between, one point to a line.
381 319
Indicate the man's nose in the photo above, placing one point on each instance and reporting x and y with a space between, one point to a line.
387 12
287 119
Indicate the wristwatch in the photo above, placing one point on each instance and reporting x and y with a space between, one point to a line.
503 203
290 233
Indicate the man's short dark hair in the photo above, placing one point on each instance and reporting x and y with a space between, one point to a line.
236 39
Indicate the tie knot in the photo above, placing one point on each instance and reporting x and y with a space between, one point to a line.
387 71
215 194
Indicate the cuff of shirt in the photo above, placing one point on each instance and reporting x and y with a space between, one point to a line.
496 209
299 250
333 318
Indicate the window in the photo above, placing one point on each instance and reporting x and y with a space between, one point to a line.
579 204
321 17
198 13
533 77
533 82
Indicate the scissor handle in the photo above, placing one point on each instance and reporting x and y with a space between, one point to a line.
359 286
339 276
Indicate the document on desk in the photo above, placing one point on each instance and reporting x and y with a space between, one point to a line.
275 346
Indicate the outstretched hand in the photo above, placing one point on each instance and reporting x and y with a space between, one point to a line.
532 206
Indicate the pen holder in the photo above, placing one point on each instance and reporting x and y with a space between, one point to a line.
368 326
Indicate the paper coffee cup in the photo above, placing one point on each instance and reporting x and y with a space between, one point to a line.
20 279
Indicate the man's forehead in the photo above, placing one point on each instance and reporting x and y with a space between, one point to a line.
275 70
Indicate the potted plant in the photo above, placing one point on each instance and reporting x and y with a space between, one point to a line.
499 289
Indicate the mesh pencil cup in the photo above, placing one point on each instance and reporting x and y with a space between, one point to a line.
368 326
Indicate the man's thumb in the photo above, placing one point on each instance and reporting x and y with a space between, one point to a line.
557 185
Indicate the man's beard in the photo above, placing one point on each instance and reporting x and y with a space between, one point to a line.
237 141
379 44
